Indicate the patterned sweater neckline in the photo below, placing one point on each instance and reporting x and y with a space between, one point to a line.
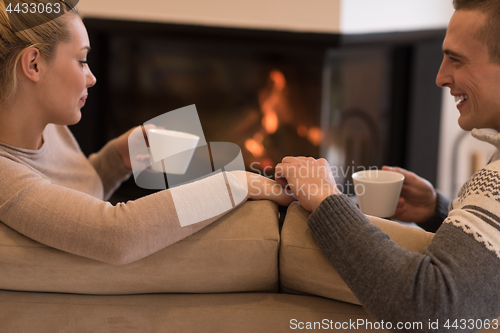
493 138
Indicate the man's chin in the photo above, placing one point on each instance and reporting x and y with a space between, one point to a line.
465 125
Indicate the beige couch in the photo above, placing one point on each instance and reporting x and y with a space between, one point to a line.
238 275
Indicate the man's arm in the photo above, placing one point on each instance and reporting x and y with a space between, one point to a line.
454 278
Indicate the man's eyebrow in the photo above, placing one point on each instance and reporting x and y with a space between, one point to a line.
86 48
454 54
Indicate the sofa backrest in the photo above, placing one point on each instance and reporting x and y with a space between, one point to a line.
238 253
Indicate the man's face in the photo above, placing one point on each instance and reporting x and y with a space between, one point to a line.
466 69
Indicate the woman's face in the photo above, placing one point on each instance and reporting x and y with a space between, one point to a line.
67 77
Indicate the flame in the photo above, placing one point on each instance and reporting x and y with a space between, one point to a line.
254 147
258 137
276 109
270 122
270 119
315 135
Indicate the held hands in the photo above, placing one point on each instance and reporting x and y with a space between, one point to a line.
310 180
417 202
260 187
307 180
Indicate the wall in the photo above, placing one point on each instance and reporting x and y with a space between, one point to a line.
369 16
292 15
327 16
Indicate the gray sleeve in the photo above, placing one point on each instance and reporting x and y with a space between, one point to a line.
440 214
455 278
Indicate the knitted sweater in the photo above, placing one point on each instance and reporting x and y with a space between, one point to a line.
456 281
55 195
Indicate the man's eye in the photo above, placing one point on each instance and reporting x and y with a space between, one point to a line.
83 63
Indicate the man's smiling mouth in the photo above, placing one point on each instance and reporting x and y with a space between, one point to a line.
460 98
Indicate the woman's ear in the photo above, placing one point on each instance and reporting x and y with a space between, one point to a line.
30 62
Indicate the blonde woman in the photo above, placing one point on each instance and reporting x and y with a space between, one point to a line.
50 191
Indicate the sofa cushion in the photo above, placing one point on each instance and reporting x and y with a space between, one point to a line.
233 312
304 268
237 253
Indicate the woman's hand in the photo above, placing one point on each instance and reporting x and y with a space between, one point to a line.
121 145
134 137
417 202
310 180
260 187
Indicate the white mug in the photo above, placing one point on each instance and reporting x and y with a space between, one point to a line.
171 149
378 191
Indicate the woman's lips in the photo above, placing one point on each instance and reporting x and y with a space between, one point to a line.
83 99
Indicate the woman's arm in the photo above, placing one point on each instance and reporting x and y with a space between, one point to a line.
81 224
110 167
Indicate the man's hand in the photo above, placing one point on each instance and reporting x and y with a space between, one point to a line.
417 202
310 180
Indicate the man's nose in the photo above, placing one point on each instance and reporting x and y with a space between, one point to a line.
444 77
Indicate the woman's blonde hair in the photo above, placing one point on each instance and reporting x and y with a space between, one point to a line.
35 28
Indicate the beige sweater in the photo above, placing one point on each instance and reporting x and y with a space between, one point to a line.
55 195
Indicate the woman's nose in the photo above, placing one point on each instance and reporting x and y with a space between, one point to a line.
91 79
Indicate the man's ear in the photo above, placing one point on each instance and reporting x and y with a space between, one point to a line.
30 62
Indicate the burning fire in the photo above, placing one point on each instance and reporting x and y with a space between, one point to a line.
255 145
313 134
276 110
271 104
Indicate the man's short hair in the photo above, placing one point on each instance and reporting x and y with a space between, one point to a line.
490 33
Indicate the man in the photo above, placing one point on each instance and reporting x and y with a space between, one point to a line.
457 278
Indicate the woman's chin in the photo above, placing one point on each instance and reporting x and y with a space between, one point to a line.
73 120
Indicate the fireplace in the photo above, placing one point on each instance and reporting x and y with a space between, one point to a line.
354 100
